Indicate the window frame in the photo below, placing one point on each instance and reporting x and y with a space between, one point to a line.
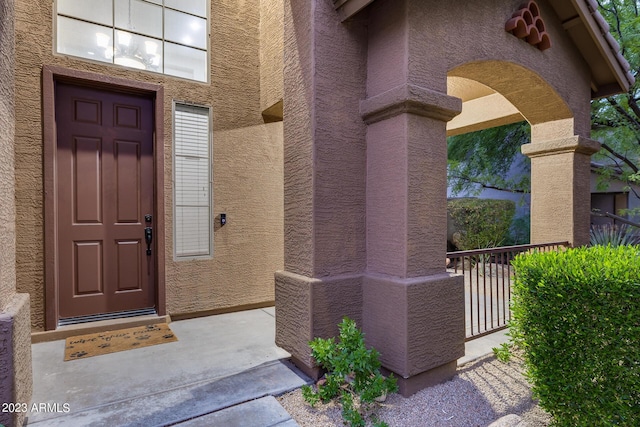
163 41
177 257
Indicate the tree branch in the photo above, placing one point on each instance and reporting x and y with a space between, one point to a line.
634 106
487 186
616 15
624 159
623 113
604 8
615 161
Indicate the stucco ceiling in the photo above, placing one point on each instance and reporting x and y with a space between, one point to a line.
482 107
467 89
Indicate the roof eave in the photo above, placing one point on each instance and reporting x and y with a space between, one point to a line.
619 79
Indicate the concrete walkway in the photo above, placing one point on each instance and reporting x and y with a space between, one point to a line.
224 370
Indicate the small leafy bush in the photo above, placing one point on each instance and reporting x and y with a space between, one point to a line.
480 223
353 375
576 316
502 353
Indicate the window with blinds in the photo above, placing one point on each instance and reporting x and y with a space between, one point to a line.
192 181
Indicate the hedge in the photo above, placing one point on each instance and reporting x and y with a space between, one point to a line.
576 315
480 223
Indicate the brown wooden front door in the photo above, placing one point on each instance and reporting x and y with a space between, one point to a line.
105 187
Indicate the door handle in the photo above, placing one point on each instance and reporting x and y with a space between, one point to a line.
148 237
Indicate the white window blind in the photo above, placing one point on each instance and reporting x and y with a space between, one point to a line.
192 181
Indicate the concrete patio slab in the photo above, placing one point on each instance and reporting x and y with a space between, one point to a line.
482 346
221 371
213 355
263 412
172 406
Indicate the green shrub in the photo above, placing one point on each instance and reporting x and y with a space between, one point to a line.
612 235
480 223
520 231
576 316
353 375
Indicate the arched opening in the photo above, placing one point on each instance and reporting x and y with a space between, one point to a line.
504 106
516 87
497 93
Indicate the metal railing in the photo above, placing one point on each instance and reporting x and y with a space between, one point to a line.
487 283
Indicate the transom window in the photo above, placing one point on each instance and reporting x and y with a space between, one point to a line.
163 36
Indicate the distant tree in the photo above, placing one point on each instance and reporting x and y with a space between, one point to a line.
615 120
482 159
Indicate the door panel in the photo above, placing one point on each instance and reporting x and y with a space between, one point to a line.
104 187
88 268
87 180
129 271
127 168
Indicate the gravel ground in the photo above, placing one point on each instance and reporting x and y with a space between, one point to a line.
482 391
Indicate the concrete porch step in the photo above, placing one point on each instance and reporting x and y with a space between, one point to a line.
246 396
263 412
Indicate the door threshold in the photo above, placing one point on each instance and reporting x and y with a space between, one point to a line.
63 332
106 316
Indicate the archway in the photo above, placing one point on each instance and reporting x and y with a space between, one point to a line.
501 92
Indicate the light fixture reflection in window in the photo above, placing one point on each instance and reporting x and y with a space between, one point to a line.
151 47
124 38
102 40
130 51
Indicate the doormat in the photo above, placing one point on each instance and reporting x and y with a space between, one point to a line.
83 346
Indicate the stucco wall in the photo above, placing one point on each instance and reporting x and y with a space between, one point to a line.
477 34
7 220
271 52
7 205
15 341
248 249
325 153
234 95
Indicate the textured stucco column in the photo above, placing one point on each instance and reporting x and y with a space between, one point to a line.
324 176
365 194
560 189
15 323
413 311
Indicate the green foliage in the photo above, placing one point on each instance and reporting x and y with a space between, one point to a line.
520 231
353 374
480 223
612 235
482 159
576 316
615 120
502 353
